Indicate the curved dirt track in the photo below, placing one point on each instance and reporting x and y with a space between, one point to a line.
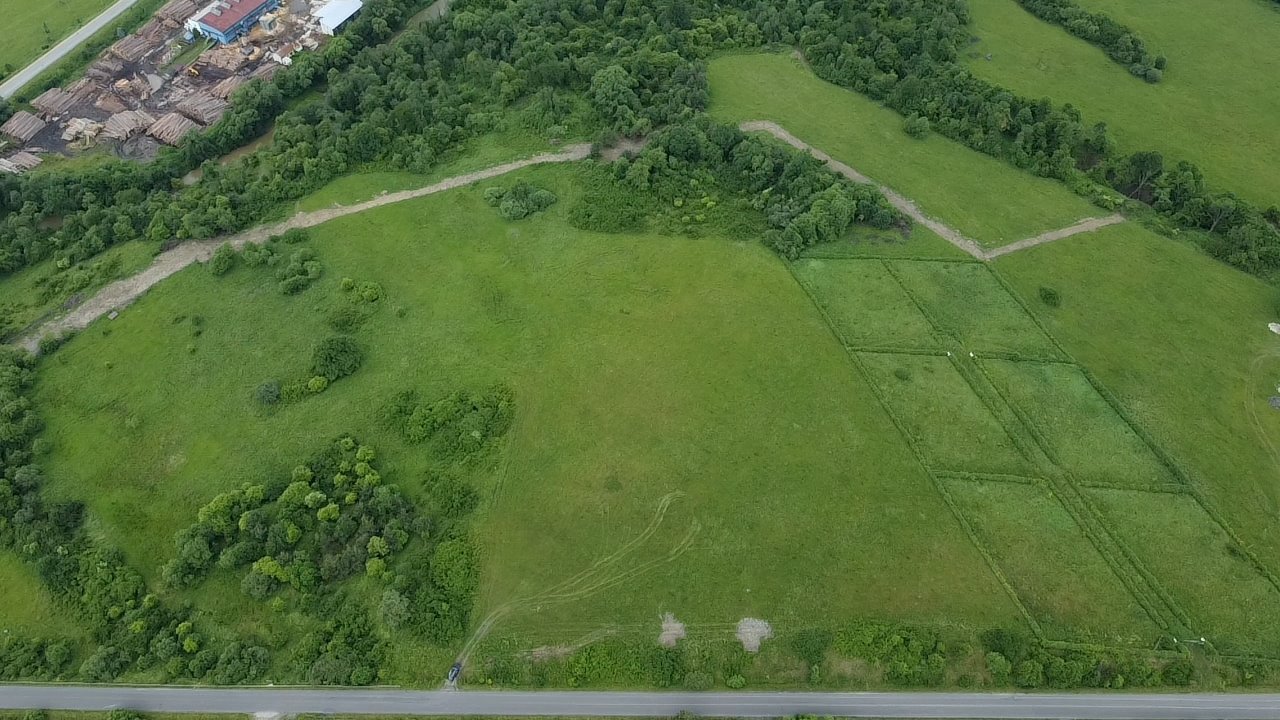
122 292
911 210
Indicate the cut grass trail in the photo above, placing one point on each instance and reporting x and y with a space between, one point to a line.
1216 106
641 364
25 22
987 200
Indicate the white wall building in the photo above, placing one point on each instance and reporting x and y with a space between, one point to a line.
332 14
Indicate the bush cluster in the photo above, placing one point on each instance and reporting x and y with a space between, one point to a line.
520 200
1120 43
455 427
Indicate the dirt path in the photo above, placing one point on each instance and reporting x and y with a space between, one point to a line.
909 208
122 292
1084 226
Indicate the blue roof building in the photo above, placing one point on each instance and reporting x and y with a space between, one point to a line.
225 20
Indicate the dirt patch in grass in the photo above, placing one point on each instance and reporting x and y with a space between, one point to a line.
672 631
753 631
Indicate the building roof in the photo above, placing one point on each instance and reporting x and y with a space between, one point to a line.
335 12
225 14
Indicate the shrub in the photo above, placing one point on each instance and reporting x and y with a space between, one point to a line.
317 384
999 667
295 236
736 682
224 258
1028 674
336 357
916 126
268 393
1050 297
810 645
519 202
699 680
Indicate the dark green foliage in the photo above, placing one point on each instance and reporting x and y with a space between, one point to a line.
268 393
33 658
520 200
297 275
347 650
1028 674
456 426
336 357
293 236
803 202
912 656
224 258
810 645
1050 297
607 206
1120 43
917 126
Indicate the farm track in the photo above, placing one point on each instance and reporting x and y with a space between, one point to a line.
913 211
123 292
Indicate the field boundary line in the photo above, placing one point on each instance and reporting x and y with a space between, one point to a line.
124 292
883 350
809 255
966 476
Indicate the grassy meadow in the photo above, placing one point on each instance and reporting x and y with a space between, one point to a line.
644 367
29 609
1187 353
33 27
947 180
1215 107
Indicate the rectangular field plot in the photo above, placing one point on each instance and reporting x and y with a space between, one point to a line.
1230 602
1059 575
966 300
1080 427
867 305
955 430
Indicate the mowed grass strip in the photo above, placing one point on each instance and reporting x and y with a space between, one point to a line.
985 199
641 365
968 302
866 304
1082 430
1186 351
1059 575
951 425
1215 107
1228 600
30 26
28 609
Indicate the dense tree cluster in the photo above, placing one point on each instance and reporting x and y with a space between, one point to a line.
1120 43
804 202
334 517
1015 658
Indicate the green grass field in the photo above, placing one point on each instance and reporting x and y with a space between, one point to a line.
941 410
866 304
1062 579
642 366
1228 601
1216 105
1083 432
1187 352
33 27
983 198
969 304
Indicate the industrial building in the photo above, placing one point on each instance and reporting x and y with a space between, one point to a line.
224 21
330 16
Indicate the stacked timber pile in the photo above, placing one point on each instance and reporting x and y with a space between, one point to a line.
176 12
105 69
53 102
203 108
265 71
19 163
22 126
124 125
171 128
225 88
131 48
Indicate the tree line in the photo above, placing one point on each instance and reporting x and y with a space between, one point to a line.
1121 44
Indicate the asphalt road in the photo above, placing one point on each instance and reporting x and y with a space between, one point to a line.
372 701
15 82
